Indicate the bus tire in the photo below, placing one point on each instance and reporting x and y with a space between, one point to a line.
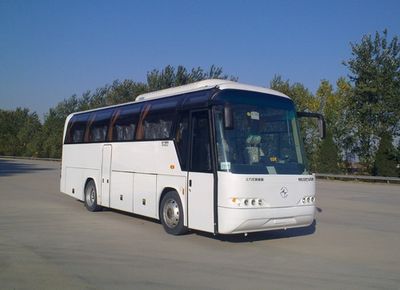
171 214
91 196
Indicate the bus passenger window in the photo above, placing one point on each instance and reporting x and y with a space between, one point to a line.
98 125
125 124
157 120
76 129
77 135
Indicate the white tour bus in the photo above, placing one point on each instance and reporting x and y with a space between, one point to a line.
216 156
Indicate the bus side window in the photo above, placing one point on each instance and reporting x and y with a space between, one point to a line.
76 132
68 135
125 123
182 139
140 127
99 126
157 120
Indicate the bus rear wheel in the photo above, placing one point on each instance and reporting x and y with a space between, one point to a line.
91 196
171 214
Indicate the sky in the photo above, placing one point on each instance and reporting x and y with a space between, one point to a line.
50 50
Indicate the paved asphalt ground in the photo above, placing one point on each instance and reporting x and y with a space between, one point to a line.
50 241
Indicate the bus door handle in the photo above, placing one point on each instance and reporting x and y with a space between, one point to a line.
190 183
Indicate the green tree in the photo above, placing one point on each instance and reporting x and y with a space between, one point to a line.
172 77
302 97
29 135
385 162
343 122
375 104
53 126
19 132
328 155
334 104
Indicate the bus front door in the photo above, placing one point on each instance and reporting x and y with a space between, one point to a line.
106 175
200 176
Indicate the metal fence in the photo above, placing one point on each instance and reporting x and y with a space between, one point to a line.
30 158
365 178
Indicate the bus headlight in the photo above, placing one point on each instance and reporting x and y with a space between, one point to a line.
307 200
248 202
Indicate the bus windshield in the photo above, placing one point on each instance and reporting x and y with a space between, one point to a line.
264 137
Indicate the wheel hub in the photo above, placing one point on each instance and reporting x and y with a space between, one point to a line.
171 213
91 196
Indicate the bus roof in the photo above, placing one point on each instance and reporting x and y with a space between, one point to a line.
204 85
193 87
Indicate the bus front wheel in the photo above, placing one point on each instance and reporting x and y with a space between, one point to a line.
171 214
91 196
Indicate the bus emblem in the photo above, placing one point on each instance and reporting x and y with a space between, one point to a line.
284 192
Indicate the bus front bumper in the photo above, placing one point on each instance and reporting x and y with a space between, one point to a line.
239 220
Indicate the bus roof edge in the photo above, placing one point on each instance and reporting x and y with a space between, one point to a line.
204 85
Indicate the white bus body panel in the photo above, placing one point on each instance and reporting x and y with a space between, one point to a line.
139 171
105 175
78 164
145 194
201 201
233 221
281 197
121 196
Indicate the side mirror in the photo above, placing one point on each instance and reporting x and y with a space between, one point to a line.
321 121
228 117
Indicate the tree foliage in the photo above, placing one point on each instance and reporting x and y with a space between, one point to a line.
385 161
20 132
170 77
375 104
328 155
